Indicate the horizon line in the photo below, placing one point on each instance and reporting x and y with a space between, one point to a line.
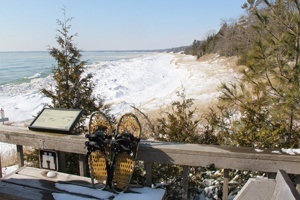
145 50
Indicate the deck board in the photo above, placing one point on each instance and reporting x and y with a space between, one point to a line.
10 197
22 192
32 183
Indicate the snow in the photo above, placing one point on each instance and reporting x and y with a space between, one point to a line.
258 150
80 190
142 193
145 193
8 170
148 82
276 151
291 151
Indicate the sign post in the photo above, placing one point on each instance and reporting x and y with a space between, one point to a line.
3 118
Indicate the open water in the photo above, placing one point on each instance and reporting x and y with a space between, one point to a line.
19 67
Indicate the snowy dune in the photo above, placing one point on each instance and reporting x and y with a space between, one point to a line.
148 82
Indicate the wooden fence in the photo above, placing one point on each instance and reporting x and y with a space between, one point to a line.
227 158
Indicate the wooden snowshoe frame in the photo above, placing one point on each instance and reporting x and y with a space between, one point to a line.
99 161
124 163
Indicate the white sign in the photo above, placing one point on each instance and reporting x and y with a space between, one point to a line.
48 160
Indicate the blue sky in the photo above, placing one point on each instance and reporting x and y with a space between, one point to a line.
112 24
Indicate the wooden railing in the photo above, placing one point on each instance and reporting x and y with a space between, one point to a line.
227 158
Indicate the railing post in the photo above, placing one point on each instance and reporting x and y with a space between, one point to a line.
185 181
62 161
298 183
20 156
148 168
82 165
225 184
0 167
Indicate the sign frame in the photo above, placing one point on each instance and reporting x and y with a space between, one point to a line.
57 120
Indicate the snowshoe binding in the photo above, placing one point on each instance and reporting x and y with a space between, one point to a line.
124 150
98 146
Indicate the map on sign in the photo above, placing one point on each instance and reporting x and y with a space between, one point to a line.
56 120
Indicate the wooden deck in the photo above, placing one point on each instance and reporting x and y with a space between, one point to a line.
32 183
264 189
227 158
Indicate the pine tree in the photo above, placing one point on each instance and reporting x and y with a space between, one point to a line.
179 125
267 98
74 88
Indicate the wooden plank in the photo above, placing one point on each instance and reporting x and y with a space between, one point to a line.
244 161
10 197
29 182
23 192
33 182
257 188
42 140
28 188
30 178
285 188
168 153
60 177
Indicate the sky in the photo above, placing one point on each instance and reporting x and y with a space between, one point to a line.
31 25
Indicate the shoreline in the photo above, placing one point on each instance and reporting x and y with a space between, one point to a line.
151 87
200 78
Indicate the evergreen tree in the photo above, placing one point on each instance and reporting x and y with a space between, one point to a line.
74 88
178 125
199 48
267 99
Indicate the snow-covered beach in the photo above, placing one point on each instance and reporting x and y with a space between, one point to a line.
149 82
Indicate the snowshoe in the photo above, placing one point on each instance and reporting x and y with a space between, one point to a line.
98 146
124 150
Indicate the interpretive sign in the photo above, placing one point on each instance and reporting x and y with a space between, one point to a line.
48 160
56 120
